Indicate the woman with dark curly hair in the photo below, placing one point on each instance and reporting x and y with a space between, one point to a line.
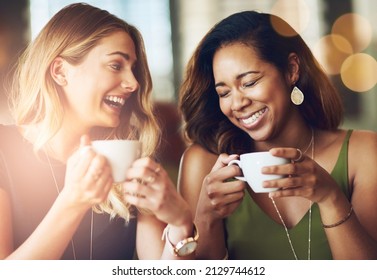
253 85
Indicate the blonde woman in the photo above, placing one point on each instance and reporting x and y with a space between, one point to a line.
85 77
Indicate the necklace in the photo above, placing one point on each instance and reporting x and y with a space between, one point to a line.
311 143
91 217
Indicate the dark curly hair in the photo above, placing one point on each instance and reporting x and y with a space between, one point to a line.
206 125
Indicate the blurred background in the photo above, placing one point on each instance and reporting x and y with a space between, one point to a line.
341 33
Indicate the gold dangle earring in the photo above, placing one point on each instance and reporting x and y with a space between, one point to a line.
297 97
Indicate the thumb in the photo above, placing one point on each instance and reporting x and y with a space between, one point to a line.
223 161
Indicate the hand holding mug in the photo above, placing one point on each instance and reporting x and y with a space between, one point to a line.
120 154
88 177
251 165
219 197
149 187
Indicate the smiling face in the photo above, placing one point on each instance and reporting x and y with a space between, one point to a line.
96 89
253 94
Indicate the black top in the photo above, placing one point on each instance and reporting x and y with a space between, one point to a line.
28 179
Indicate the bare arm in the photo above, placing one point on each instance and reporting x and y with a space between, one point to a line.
356 238
50 238
80 193
6 236
201 183
149 228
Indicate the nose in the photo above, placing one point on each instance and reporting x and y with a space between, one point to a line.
239 101
130 83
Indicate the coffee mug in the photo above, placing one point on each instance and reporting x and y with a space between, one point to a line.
120 154
251 165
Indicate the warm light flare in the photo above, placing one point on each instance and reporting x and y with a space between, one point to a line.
295 12
355 29
359 72
331 51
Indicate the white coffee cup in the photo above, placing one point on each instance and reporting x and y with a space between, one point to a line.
120 154
251 165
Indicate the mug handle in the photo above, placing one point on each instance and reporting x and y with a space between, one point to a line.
237 162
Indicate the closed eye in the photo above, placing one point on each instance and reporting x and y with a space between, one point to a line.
116 66
223 94
248 84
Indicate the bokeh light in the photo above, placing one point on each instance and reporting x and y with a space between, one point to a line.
359 72
356 29
331 51
295 12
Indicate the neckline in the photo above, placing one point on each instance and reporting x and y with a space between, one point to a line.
276 222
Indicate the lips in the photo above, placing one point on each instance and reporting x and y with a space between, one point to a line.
253 118
115 101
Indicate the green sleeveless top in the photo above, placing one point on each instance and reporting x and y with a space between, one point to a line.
252 234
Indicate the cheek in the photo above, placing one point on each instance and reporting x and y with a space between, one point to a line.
225 106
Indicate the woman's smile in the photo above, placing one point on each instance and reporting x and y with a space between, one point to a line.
253 119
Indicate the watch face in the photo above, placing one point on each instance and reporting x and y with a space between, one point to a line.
187 248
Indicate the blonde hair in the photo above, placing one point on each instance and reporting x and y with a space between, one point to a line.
34 98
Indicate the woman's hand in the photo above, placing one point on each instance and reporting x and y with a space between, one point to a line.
220 193
149 187
304 177
88 178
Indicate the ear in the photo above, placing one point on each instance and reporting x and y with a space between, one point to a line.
293 68
57 71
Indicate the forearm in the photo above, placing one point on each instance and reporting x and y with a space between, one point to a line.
349 241
347 237
53 234
212 244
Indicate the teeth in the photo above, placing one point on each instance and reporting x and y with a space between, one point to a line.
115 100
254 117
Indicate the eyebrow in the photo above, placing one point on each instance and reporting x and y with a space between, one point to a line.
240 76
126 56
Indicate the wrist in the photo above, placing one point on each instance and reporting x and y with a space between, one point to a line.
332 200
182 246
65 200
335 210
177 233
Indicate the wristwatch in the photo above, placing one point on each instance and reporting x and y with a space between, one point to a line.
184 247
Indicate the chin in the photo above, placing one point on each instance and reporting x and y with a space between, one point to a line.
110 123
258 135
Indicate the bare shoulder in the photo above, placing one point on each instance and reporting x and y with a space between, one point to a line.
362 158
364 140
196 163
363 147
360 140
197 154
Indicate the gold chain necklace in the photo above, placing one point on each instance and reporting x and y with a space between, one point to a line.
91 217
311 143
